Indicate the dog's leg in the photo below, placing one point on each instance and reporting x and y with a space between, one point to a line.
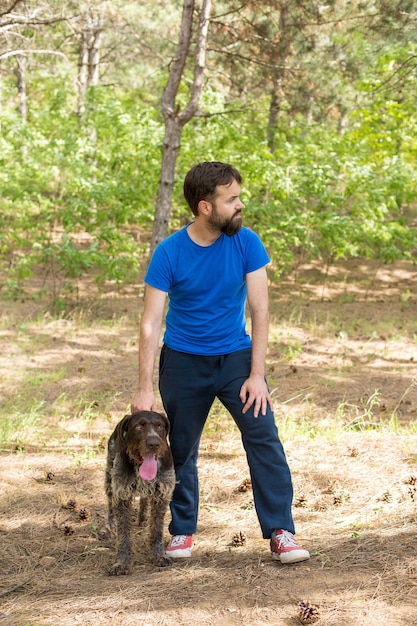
109 530
123 545
143 511
158 510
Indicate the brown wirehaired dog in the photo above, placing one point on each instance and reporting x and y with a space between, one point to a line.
139 463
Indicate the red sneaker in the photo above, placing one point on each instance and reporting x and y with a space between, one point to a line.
284 548
180 546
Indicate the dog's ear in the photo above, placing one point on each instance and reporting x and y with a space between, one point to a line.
166 423
121 432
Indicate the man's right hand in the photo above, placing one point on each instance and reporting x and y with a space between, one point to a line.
143 401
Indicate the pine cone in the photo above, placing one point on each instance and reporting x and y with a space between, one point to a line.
246 485
84 514
238 540
386 497
308 613
71 505
340 496
301 501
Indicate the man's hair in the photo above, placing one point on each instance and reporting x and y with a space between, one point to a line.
201 181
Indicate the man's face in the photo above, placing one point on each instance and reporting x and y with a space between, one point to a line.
226 210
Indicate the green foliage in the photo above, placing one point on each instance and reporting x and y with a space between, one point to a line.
76 193
18 426
322 194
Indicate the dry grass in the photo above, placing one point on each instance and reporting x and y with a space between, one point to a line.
342 368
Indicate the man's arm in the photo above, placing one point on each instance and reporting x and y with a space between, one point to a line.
254 390
150 329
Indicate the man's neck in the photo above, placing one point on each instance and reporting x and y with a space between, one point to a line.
201 234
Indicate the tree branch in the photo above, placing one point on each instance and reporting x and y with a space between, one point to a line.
398 72
10 8
200 62
179 61
12 53
20 20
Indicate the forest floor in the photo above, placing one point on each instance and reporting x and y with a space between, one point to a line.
342 367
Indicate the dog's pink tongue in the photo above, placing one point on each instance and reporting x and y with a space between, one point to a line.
147 470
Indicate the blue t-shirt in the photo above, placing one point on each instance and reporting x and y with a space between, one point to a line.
207 290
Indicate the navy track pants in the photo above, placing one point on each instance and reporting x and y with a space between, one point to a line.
188 386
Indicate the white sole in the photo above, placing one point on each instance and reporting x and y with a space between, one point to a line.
179 554
295 556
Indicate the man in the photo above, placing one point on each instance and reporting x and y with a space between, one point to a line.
208 269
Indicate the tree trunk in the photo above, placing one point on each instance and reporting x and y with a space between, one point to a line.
88 58
94 48
278 77
82 75
21 86
171 147
175 119
274 109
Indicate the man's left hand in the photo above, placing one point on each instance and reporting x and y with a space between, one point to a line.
254 391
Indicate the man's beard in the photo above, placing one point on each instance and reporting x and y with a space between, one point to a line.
229 226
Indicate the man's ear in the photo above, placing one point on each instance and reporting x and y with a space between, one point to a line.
204 207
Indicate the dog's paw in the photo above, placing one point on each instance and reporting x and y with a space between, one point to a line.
104 534
163 560
107 532
119 569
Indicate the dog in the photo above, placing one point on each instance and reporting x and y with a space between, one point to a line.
139 463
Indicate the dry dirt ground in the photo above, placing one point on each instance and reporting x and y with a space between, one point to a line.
342 367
